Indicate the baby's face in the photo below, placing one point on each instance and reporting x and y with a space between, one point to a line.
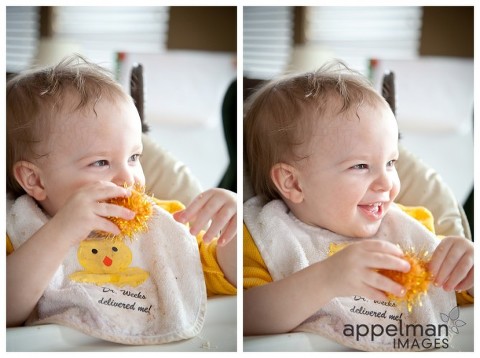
350 179
86 148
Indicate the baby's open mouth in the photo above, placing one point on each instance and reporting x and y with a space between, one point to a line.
373 211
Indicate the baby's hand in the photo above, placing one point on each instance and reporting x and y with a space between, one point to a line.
86 211
217 205
353 270
452 264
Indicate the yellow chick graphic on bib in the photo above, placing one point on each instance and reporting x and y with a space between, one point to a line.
107 261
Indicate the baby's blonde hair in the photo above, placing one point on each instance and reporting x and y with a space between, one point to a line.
281 116
36 97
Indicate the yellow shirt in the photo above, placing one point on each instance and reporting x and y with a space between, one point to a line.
255 272
215 280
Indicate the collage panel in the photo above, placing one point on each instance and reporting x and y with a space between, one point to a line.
121 171
358 178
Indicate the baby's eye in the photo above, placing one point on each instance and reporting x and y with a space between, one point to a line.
135 158
360 166
100 163
391 163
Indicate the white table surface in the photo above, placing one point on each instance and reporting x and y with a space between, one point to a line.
218 334
307 342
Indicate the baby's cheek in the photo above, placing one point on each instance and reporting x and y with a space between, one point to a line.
395 187
140 177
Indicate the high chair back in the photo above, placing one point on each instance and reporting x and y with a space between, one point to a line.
136 91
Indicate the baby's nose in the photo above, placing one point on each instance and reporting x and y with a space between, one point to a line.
124 176
383 182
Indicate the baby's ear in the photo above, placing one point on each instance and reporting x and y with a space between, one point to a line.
285 178
28 176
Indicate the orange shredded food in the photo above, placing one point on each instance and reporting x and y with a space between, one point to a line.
416 281
138 202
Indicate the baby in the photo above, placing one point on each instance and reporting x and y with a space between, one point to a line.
74 141
321 149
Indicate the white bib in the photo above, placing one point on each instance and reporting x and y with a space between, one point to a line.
147 291
288 245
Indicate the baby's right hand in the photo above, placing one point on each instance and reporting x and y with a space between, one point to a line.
353 270
86 211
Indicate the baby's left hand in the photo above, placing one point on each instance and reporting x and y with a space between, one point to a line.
452 264
217 205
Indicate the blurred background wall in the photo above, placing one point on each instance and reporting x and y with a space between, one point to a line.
447 31
203 28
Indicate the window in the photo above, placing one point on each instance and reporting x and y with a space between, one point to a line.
358 34
22 35
101 32
96 32
353 34
267 40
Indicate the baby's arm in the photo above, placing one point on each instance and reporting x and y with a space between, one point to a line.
220 207
227 259
452 264
280 306
31 266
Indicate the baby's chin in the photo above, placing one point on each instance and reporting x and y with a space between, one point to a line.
354 230
363 231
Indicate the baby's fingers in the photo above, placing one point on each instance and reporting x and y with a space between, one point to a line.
195 207
382 261
208 212
443 265
229 232
438 257
383 283
106 225
467 282
220 222
105 211
458 273
382 246
112 210
103 191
